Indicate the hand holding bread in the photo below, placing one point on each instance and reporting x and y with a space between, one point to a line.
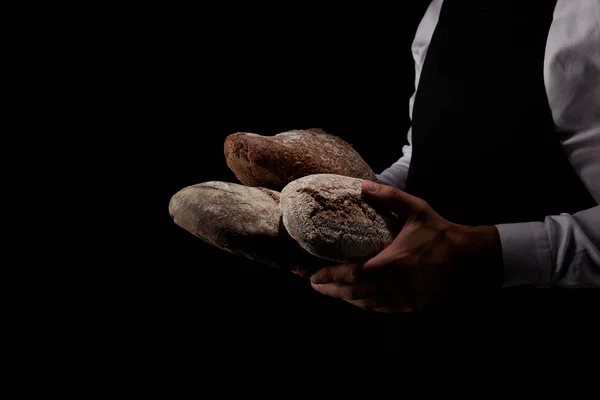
307 204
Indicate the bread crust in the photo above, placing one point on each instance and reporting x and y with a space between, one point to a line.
242 220
275 161
329 217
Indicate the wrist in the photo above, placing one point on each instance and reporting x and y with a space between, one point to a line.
484 239
480 252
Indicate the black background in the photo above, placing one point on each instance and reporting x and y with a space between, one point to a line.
349 72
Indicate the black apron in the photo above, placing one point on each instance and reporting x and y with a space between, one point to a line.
484 146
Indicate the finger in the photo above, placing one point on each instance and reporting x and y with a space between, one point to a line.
379 304
366 304
397 308
382 301
393 199
344 273
347 292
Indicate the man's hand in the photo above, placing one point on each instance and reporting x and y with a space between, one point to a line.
430 257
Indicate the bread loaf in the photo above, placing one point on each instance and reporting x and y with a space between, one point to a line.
242 220
328 216
274 161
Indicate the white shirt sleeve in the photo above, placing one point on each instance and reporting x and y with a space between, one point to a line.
564 250
396 174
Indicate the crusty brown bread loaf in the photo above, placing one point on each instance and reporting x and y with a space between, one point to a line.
329 217
242 220
274 161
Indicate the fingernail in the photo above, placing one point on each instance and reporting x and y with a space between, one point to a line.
370 186
315 279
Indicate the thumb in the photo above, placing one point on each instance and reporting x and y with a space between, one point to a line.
392 199
385 257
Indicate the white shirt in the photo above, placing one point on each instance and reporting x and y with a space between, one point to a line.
564 250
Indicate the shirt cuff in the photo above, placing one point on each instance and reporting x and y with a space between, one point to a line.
527 254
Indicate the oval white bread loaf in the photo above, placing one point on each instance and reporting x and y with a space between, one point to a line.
274 161
242 220
328 216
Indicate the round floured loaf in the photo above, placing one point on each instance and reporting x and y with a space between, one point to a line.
242 220
274 161
328 216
